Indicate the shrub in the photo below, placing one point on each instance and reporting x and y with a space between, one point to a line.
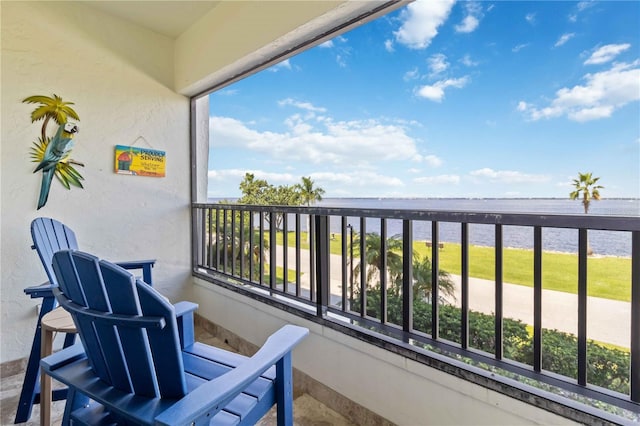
607 367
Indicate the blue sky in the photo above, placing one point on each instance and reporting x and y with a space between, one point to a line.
445 99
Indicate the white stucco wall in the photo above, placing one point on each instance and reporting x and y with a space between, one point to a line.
120 78
402 391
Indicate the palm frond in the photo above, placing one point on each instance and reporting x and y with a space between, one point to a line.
38 149
68 175
39 100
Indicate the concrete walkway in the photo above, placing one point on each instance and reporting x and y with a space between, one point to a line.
608 320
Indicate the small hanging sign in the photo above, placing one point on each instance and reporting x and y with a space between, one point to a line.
130 160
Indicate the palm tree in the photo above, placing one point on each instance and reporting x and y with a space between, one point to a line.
422 273
422 268
373 257
50 108
586 185
308 194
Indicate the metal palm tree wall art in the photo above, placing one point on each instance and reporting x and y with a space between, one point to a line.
52 153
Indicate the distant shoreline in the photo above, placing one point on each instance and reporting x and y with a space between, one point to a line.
473 198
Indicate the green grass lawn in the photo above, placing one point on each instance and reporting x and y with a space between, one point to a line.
607 277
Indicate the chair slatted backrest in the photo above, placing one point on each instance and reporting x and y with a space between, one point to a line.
50 236
126 353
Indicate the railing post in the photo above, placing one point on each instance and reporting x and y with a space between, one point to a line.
635 316
225 254
383 270
499 293
582 306
312 257
261 254
233 242
218 239
242 243
464 303
298 242
343 241
363 266
273 263
435 281
322 272
285 252
537 299
407 276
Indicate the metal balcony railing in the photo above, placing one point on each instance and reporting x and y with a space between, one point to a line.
355 268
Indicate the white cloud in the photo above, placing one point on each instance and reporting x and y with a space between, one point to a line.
435 92
326 45
530 18
388 45
306 139
508 176
421 20
580 7
519 47
238 174
413 170
563 39
599 97
467 61
360 178
606 53
585 5
286 64
411 75
433 160
468 24
440 179
308 106
437 64
471 21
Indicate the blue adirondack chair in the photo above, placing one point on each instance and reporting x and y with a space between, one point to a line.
139 363
50 236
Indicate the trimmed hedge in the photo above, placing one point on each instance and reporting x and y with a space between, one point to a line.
606 367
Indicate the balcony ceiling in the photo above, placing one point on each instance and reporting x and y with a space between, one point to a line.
169 18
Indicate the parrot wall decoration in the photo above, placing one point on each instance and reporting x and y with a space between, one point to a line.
52 154
57 150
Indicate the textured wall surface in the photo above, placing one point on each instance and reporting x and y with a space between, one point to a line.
120 78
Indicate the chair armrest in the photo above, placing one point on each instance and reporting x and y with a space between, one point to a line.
183 308
136 264
37 291
184 318
145 265
211 397
64 357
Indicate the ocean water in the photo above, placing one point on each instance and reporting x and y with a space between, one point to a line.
563 240
553 239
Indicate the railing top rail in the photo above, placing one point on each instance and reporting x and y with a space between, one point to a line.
595 222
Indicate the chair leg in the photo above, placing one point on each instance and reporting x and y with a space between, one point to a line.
284 390
30 388
75 400
45 380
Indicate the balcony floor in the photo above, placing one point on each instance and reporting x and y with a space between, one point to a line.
307 411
